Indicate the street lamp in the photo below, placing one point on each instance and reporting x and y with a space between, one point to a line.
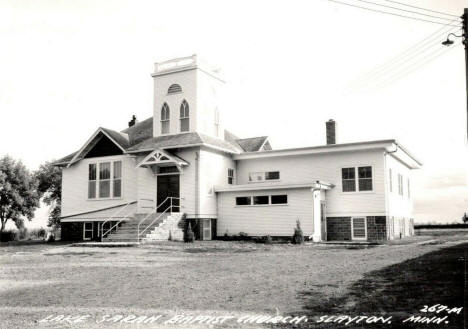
449 42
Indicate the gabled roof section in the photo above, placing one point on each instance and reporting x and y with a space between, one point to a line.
182 140
140 131
119 139
253 144
160 157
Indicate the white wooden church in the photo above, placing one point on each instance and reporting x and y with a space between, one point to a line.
147 181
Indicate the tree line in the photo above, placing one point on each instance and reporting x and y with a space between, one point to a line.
21 191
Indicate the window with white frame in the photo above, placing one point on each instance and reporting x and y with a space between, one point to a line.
262 200
105 180
400 184
165 119
117 179
264 176
230 176
409 193
88 230
92 181
365 178
390 180
359 228
348 179
361 182
184 116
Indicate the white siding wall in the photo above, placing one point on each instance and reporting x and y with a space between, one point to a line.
213 172
75 186
146 189
187 180
274 220
187 80
210 96
327 167
398 205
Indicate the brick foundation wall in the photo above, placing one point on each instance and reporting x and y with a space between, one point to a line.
338 228
376 228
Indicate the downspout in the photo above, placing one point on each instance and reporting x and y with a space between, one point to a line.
315 189
197 183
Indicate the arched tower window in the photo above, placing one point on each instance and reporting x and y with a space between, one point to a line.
165 119
184 116
174 89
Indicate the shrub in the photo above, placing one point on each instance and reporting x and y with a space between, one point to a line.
298 237
7 236
50 237
267 239
189 236
23 234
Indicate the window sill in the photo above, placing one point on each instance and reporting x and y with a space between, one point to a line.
264 181
104 199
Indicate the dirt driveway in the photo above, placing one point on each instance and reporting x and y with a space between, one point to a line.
212 278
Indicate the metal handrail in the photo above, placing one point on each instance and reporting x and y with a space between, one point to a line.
110 219
155 212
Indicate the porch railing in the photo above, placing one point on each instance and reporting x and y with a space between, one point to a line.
112 217
167 210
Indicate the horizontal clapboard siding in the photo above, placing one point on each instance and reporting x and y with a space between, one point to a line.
274 220
75 186
327 167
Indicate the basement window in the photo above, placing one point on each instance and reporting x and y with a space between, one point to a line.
262 200
243 201
88 230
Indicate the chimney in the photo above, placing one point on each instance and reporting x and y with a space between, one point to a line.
331 131
132 122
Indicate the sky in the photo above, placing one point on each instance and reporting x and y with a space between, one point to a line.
68 67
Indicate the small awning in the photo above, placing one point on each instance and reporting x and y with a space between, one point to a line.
273 186
161 158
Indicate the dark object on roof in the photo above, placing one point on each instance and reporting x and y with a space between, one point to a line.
132 122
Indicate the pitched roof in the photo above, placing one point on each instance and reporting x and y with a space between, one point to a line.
182 140
252 144
139 138
140 131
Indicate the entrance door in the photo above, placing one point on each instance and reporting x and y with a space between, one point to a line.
323 221
168 186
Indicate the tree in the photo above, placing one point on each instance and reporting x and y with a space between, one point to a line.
49 179
18 192
465 219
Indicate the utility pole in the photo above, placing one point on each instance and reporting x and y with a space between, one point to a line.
465 43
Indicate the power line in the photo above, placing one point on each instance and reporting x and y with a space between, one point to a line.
412 69
432 11
408 11
418 49
389 13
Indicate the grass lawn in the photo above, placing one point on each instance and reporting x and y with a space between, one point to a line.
218 278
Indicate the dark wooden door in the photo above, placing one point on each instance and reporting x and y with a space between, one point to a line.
168 186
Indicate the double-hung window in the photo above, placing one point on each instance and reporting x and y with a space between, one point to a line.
105 180
356 183
88 228
230 176
400 184
390 180
117 179
92 179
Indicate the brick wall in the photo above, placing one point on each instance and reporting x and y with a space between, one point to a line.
376 228
338 228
